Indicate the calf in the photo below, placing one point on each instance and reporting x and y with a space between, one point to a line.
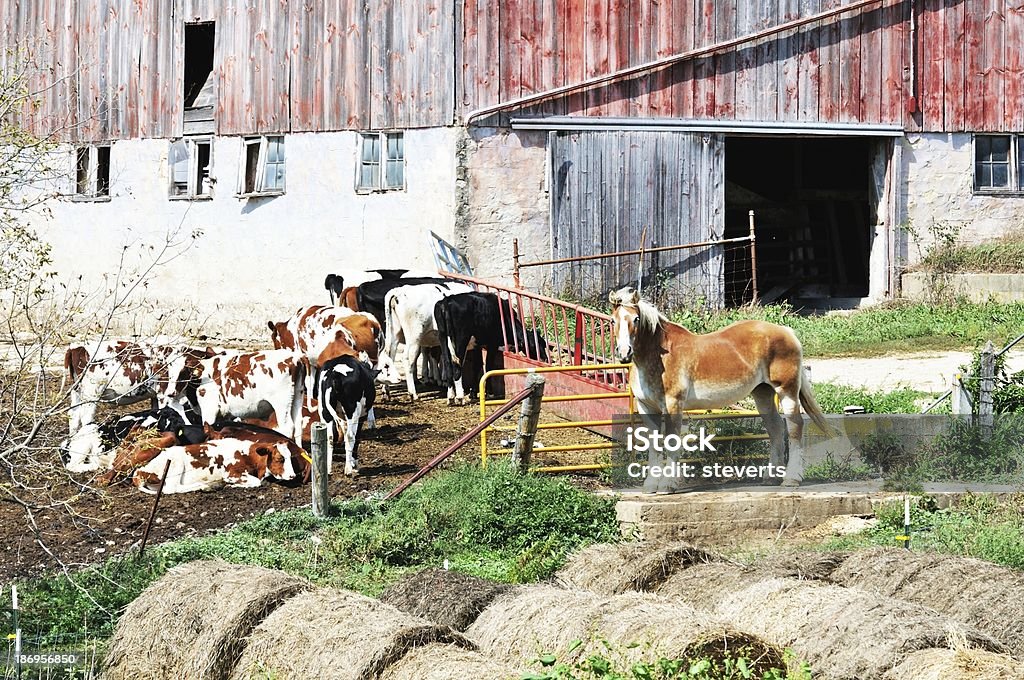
322 333
218 462
411 320
119 372
345 389
246 385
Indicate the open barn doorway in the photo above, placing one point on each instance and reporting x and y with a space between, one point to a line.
812 203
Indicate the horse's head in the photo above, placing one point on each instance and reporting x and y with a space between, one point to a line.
626 319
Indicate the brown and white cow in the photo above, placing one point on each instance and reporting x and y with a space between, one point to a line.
119 372
322 333
219 462
245 385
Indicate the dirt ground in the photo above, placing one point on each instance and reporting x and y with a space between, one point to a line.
90 523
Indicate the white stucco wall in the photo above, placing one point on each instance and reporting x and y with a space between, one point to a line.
938 171
506 197
259 258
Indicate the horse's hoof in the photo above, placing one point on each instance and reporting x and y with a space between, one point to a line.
770 481
791 483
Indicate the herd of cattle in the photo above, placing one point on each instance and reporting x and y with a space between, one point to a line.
226 417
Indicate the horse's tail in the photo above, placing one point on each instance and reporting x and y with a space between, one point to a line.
811 407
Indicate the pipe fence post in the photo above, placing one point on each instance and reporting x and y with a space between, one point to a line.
321 456
753 259
526 429
986 386
515 263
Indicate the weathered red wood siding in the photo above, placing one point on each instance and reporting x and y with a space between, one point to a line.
966 58
112 69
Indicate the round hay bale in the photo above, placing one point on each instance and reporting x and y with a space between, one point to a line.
962 664
701 586
531 621
674 630
448 598
612 568
336 634
841 632
986 596
807 565
448 662
193 622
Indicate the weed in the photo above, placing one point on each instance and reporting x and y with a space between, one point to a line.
832 470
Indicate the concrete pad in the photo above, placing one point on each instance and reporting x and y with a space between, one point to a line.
717 514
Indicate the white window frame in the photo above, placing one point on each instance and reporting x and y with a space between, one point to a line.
92 192
1015 178
192 191
381 161
261 167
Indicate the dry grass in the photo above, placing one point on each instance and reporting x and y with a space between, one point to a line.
193 622
448 598
448 662
336 634
956 664
531 621
841 632
984 595
609 569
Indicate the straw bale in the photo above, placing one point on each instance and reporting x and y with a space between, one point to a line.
841 632
448 598
448 662
192 622
609 569
530 621
961 664
701 586
336 634
807 565
986 596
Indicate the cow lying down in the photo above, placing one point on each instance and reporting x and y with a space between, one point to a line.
208 457
219 462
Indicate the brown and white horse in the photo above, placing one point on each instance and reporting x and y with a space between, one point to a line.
675 370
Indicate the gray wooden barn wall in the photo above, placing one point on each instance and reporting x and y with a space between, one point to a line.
607 187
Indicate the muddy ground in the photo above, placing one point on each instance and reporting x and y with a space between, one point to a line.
81 523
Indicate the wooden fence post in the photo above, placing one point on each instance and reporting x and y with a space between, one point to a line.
986 385
529 414
321 456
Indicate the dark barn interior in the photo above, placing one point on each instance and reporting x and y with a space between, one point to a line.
811 202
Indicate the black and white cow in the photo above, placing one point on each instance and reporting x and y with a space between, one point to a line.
345 390
470 322
411 321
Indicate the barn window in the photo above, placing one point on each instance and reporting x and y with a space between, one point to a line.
994 166
92 172
198 78
381 162
190 161
263 160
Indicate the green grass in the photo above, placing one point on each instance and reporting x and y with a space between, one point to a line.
495 523
896 327
1004 255
978 526
833 398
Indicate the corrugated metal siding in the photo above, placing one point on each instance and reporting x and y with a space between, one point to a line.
968 60
116 65
609 187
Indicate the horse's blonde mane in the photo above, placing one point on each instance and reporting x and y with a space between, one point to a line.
650 317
